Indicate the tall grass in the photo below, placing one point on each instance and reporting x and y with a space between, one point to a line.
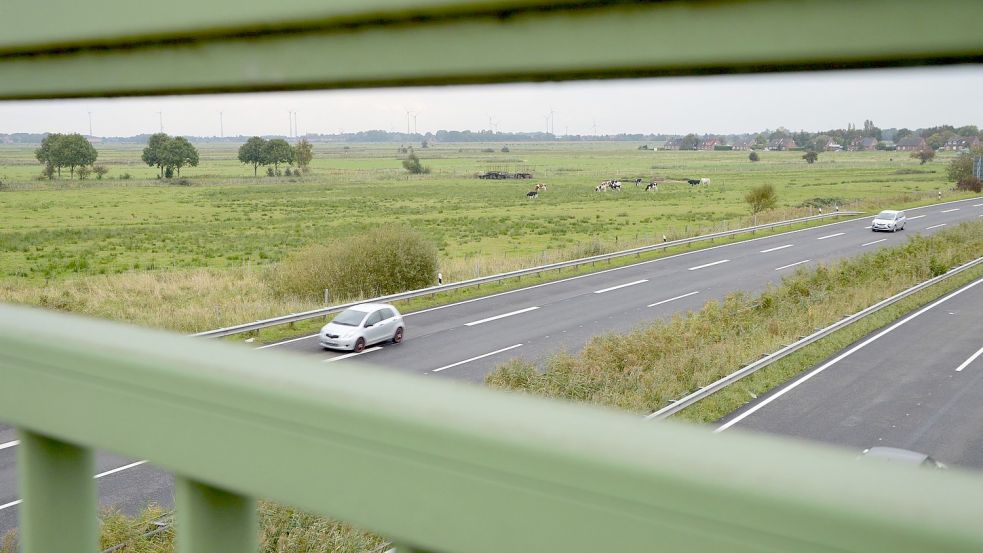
643 370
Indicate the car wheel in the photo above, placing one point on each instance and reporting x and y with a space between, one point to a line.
398 337
359 345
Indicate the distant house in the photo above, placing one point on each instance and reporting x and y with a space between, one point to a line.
865 144
744 144
659 144
830 145
673 144
911 143
781 144
961 143
708 144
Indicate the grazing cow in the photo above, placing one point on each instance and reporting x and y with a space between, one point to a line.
532 195
693 182
541 186
638 181
652 186
705 181
603 186
616 185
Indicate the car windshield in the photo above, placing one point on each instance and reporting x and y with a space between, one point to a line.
886 215
349 317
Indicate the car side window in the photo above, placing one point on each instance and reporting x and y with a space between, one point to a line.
389 313
901 215
374 318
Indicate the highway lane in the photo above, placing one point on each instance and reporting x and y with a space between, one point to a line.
565 314
918 385
452 341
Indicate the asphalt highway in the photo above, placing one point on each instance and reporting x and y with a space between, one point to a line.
917 385
467 340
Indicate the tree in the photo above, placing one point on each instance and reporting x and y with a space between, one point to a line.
761 198
254 152
178 152
304 153
413 165
46 153
753 156
962 166
277 151
925 155
74 150
690 142
810 157
153 154
84 171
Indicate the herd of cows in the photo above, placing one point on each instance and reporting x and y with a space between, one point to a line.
616 185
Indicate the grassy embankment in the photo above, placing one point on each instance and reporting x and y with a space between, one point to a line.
644 370
190 258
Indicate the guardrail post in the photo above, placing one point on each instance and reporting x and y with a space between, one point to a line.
210 520
59 510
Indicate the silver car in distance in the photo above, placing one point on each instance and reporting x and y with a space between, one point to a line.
363 325
889 220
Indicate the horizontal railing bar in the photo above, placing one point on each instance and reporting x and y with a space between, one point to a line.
439 460
313 314
756 366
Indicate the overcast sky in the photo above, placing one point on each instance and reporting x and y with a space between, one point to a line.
729 104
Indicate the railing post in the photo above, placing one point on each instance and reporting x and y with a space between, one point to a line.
210 520
59 513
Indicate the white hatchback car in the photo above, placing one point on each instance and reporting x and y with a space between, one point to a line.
363 325
889 220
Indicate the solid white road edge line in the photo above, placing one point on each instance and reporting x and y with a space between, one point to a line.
9 444
708 265
776 249
353 354
949 210
476 358
502 316
874 242
287 342
793 264
840 357
100 475
831 235
935 226
601 291
972 358
915 217
673 299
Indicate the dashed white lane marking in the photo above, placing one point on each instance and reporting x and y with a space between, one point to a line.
476 358
120 469
11 504
935 226
9 444
915 217
977 205
949 210
352 354
831 236
792 264
972 358
601 291
287 342
708 265
840 357
502 316
776 249
868 226
673 299
874 242
100 475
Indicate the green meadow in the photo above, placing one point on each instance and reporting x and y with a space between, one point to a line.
219 222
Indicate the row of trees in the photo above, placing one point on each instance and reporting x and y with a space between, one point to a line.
169 154
257 151
66 150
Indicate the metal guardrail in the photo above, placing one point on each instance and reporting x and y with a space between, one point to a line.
313 314
733 377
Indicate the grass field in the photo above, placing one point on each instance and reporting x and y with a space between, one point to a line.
226 225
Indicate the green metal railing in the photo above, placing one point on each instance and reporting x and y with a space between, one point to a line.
439 466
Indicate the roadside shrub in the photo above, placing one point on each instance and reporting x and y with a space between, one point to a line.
270 172
969 183
753 156
99 171
505 149
125 176
383 261
168 172
413 165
